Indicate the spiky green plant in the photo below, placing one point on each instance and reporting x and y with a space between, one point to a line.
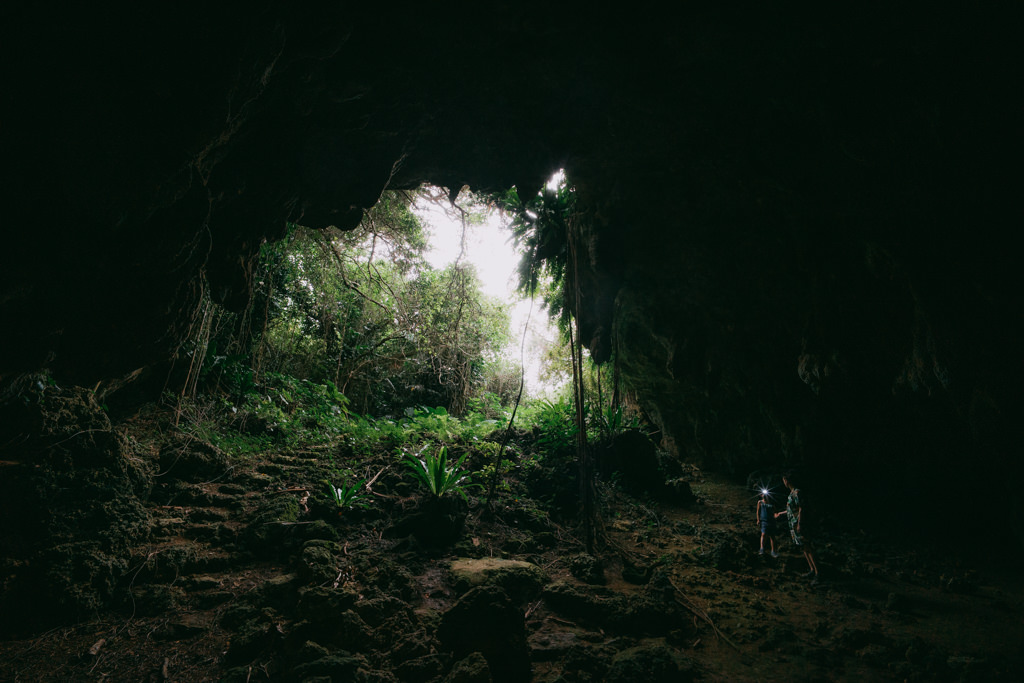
348 496
434 472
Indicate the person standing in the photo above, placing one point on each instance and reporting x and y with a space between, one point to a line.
766 521
797 529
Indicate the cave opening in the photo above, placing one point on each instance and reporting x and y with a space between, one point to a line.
487 242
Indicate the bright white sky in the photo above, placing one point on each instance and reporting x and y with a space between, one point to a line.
489 248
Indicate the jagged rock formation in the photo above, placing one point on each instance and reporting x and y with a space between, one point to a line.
796 221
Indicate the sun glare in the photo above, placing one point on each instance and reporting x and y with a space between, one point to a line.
556 180
489 248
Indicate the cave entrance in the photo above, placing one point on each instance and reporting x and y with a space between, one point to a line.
479 234
417 308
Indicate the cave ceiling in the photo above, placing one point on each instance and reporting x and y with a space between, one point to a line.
794 216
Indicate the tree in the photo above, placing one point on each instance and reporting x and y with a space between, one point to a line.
547 228
365 311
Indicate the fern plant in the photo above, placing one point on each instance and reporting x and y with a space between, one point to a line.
433 423
434 472
615 422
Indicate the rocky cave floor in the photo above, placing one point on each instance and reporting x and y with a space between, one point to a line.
249 576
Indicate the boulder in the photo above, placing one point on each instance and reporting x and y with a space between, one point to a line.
472 669
519 579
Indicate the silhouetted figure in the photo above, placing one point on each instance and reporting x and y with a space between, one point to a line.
794 513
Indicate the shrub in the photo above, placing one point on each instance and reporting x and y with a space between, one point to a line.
434 473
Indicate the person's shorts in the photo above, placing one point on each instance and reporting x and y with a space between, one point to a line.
767 528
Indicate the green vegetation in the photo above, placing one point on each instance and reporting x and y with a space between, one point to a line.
348 496
353 346
541 226
433 471
361 313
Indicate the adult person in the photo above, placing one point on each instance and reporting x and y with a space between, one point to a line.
797 530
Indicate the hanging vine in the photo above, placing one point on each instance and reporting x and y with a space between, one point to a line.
546 228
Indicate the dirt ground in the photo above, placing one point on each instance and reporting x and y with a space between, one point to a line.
247 577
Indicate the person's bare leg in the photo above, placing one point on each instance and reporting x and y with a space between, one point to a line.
810 562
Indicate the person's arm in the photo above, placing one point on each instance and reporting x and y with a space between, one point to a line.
757 513
799 514
784 512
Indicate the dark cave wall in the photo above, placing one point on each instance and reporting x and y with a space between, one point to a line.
157 148
805 290
797 222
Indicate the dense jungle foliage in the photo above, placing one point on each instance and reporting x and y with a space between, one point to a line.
362 312
354 337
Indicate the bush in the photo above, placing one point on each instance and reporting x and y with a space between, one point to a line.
434 473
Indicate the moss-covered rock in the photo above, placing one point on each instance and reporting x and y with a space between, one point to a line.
347 629
320 603
587 568
319 562
73 505
185 457
519 579
379 609
272 528
310 651
387 575
471 669
649 613
318 529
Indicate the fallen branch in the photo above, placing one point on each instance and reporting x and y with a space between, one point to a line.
369 484
551 563
683 600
